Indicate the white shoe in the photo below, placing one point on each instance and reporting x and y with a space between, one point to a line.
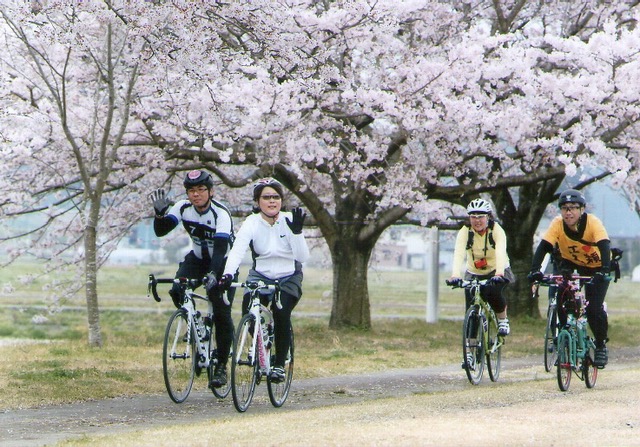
503 326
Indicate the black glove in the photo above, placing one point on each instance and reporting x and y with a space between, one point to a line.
298 220
454 282
161 201
498 280
600 277
210 282
225 282
535 276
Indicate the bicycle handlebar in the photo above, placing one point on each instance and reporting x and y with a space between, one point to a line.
153 283
552 280
261 285
466 283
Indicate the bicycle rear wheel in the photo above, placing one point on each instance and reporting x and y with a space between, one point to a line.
223 391
472 348
278 392
589 370
550 338
494 352
564 361
244 365
179 356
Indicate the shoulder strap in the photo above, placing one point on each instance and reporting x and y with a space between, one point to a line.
492 242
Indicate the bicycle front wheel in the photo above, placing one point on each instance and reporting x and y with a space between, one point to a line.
278 392
244 365
179 356
589 370
494 351
550 338
564 361
472 347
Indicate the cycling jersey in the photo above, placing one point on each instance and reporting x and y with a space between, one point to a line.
211 232
579 246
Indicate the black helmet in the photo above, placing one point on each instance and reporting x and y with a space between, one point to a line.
196 178
571 196
263 183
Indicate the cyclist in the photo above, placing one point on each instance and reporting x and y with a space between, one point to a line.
278 249
584 246
210 227
484 244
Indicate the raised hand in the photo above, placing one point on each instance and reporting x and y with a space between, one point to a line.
297 222
161 201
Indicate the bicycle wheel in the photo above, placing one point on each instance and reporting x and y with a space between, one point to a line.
550 338
278 392
179 356
589 370
244 365
472 348
564 361
223 391
494 351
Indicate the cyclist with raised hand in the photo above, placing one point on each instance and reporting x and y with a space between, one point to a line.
278 249
210 227
584 246
484 245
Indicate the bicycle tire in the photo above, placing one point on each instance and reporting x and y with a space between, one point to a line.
278 392
179 356
564 361
550 338
244 365
494 357
589 370
223 391
472 346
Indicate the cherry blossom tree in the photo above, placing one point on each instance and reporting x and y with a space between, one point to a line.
367 111
371 113
70 75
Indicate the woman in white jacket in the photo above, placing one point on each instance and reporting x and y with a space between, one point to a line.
278 249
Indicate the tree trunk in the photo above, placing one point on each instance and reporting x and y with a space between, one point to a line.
351 305
91 286
520 225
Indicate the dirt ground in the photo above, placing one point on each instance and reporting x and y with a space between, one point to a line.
430 406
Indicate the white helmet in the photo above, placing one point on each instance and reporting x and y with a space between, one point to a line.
479 206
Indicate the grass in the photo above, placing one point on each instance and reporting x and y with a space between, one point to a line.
46 358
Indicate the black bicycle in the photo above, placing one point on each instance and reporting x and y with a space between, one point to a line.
189 342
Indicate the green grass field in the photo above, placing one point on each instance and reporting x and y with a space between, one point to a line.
46 358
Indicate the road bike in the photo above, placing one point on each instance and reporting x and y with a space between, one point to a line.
254 350
552 327
189 342
575 348
480 339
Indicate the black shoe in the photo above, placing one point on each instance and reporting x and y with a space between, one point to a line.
276 375
219 376
601 358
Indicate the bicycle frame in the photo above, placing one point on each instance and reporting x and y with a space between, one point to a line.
253 353
574 343
486 311
189 345
487 343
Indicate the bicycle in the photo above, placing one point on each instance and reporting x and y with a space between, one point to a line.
575 347
253 355
480 339
189 343
552 326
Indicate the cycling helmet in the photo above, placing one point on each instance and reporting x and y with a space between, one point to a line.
263 183
196 178
479 206
571 196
